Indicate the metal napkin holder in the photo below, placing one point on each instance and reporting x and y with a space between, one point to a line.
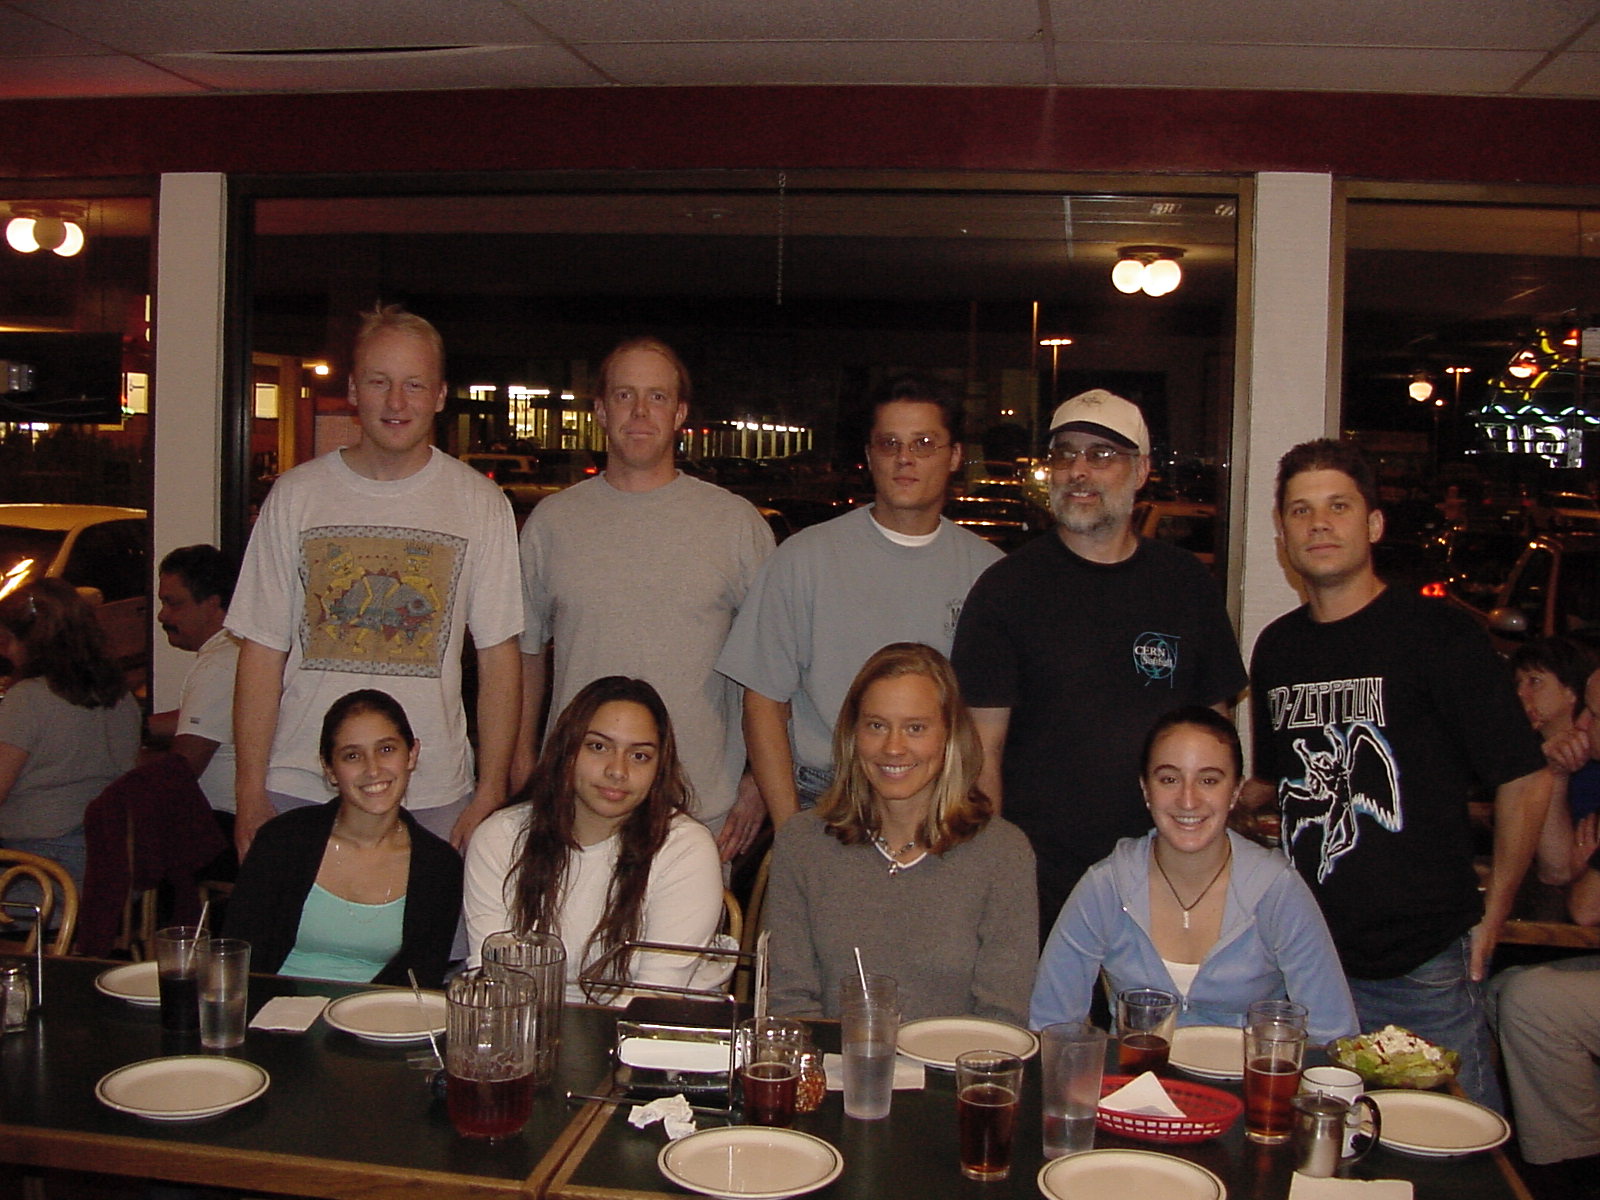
662 1012
39 915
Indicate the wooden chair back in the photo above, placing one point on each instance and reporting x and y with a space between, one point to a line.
58 903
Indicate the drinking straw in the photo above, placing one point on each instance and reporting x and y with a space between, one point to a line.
861 970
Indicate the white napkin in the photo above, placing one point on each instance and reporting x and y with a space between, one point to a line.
674 1113
1304 1187
291 1014
908 1075
1144 1094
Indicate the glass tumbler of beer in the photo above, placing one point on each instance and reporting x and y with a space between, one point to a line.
490 1053
1273 1049
988 1083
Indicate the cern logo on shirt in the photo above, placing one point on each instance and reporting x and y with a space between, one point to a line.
1155 656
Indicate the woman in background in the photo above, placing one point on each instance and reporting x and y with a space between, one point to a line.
68 726
353 889
600 848
904 858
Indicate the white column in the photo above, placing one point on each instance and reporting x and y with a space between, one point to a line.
187 400
1289 389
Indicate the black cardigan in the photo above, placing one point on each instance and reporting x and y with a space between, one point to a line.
276 877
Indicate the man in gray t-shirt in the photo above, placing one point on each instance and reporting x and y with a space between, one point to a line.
834 594
639 572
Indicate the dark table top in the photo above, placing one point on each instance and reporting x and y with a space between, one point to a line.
342 1117
913 1153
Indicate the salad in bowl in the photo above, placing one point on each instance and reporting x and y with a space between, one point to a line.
1395 1058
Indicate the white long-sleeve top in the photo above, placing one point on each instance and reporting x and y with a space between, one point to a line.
682 902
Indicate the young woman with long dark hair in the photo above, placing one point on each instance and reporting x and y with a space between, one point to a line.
600 848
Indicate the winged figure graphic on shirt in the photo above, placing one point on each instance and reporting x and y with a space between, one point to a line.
1356 774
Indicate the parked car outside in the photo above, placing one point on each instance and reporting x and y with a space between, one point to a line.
1554 588
1184 523
101 550
1471 562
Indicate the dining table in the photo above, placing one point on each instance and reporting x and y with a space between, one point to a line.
350 1120
342 1117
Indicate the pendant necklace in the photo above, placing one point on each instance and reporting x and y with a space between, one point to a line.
1178 900
895 865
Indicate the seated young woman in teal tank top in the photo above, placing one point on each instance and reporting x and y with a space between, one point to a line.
354 889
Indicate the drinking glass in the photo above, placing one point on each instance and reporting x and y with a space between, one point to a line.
542 959
988 1083
178 976
1146 1018
1273 1050
1072 1056
867 1032
489 1052
768 1050
224 979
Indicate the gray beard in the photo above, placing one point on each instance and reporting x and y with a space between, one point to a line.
1114 513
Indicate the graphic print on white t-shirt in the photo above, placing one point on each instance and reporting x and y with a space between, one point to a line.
378 599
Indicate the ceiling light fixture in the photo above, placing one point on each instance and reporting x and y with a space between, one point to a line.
46 226
1153 270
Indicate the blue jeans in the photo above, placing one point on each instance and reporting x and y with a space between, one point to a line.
1439 1001
809 784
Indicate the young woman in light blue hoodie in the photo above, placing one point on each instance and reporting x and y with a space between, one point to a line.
1192 907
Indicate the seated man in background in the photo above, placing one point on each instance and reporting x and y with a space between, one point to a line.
195 587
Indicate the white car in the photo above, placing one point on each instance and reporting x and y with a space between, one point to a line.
102 551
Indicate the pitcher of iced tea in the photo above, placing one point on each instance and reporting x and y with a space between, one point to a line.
490 1053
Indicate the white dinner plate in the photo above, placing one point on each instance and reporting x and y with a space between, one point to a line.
388 1016
750 1162
1118 1174
184 1088
1209 1051
939 1041
135 982
1436 1124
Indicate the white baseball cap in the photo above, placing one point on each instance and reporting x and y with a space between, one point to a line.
1103 412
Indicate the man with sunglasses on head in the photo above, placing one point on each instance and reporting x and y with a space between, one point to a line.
834 594
1070 648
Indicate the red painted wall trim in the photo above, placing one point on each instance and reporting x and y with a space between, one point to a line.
1394 137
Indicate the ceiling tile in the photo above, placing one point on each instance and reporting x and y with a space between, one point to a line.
1487 24
499 67
176 26
1300 68
792 20
993 63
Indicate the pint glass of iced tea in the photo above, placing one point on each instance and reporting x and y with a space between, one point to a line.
490 1053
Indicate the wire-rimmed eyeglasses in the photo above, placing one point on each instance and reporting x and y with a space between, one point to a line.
920 447
1097 455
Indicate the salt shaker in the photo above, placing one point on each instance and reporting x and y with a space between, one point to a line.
16 997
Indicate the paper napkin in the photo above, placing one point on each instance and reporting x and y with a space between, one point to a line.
674 1113
1144 1094
908 1075
1304 1187
291 1014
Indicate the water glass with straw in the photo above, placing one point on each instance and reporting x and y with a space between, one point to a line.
869 1021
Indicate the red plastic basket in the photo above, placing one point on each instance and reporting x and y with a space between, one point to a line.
1208 1112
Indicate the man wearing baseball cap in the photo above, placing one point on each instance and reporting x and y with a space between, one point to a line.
1071 647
